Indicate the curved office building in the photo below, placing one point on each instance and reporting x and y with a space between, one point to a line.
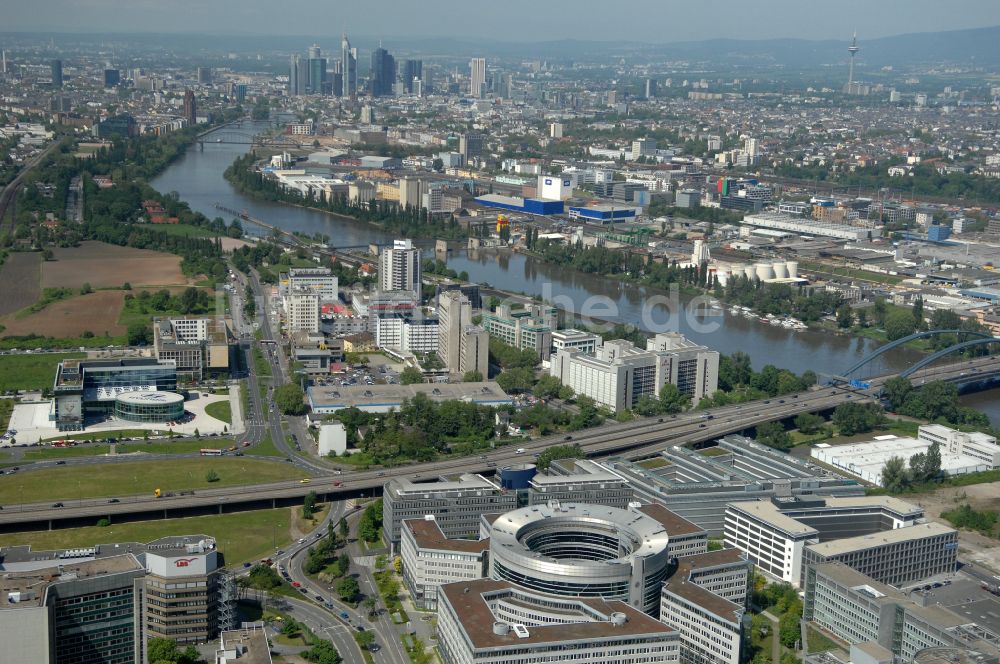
582 550
149 406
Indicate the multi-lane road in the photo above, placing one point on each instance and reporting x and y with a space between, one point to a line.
641 437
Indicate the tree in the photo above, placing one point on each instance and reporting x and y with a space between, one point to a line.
211 476
86 288
773 434
290 399
896 390
472 377
547 387
139 334
895 477
370 602
166 650
517 379
809 423
918 312
365 639
852 418
899 324
263 577
411 376
322 652
347 588
342 526
845 316
47 255
309 505
788 625
672 400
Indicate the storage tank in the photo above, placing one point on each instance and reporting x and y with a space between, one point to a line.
749 272
763 271
793 269
517 477
780 269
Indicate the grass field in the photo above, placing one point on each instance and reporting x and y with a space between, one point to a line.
103 435
30 372
6 408
264 448
152 447
819 642
140 477
243 536
21 279
220 410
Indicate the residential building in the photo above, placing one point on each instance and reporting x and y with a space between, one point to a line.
496 622
462 346
399 267
302 311
318 279
619 373
430 559
775 533
526 329
705 599
457 504
573 339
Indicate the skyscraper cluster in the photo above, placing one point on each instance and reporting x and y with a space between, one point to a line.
308 75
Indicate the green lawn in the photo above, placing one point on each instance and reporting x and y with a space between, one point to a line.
220 410
152 447
242 536
264 448
104 435
31 372
713 451
6 408
652 464
140 477
819 642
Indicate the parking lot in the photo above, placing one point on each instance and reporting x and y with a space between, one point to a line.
360 375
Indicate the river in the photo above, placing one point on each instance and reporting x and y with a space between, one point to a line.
198 178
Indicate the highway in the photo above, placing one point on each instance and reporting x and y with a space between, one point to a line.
634 439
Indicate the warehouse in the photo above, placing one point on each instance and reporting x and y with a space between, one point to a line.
603 214
537 206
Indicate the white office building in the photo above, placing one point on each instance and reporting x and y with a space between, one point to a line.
407 335
775 533
619 373
705 599
399 267
302 311
431 559
462 346
496 622
573 339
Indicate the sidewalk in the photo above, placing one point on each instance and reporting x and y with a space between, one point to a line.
236 408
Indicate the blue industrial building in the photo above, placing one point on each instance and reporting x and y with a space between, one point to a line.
603 214
938 233
538 206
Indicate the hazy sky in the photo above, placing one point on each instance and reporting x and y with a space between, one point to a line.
509 20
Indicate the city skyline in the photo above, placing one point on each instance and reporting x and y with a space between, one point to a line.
775 19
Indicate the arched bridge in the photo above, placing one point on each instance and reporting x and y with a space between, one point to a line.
931 359
882 350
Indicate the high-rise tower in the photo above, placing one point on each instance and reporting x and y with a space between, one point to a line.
853 50
348 67
477 71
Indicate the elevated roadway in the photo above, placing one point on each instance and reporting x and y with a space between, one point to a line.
636 439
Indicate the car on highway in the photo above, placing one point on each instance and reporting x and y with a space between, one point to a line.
344 615
60 463
57 505
114 500
319 598
296 584
305 480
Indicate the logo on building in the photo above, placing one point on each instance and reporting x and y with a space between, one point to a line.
183 562
548 180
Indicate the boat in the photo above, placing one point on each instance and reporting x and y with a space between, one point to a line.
735 311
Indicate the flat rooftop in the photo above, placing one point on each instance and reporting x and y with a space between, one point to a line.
427 534
778 517
680 584
838 547
468 601
871 456
675 524
249 644
466 482
386 396
26 588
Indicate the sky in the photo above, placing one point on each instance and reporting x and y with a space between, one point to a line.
656 21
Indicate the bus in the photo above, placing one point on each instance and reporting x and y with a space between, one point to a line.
211 452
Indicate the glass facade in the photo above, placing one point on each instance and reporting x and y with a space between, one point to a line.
150 407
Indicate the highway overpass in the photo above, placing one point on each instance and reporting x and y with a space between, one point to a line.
635 439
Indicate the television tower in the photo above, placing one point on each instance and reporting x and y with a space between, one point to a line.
853 50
